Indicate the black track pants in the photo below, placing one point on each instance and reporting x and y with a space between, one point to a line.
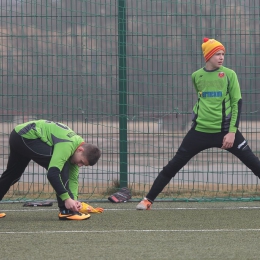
195 142
22 151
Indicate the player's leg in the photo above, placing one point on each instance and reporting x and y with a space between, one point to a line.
243 152
17 162
21 152
193 143
15 167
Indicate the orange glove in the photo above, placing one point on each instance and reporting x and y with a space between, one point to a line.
86 208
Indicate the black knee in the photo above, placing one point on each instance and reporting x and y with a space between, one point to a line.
180 159
251 161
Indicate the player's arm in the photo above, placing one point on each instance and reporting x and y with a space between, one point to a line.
60 156
235 102
193 79
54 178
74 188
74 179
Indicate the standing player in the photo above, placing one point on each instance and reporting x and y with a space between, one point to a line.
215 120
59 150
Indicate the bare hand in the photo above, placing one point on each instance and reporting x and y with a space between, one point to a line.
79 205
228 141
72 205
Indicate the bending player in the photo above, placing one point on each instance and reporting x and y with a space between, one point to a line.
59 150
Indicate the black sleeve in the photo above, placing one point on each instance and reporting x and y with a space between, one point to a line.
55 180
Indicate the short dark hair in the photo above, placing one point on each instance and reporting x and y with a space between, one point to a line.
92 153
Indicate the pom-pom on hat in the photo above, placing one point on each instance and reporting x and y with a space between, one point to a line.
210 47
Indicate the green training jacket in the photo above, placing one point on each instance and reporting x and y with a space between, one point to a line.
219 103
64 142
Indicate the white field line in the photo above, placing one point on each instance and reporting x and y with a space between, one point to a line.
131 230
56 209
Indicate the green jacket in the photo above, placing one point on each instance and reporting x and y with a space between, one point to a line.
219 103
64 142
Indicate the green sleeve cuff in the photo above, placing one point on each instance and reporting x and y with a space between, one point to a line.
64 196
232 129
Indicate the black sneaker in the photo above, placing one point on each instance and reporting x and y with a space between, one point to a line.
71 215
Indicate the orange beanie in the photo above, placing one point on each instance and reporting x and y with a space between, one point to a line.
210 47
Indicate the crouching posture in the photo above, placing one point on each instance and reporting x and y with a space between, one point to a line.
59 150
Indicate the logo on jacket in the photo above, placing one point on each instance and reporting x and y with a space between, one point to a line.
210 94
221 74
